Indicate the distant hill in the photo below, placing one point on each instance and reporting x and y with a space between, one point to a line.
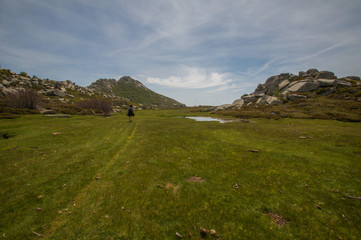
134 91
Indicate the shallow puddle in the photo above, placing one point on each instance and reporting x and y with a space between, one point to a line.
210 119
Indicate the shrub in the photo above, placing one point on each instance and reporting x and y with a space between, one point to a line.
26 98
277 93
98 104
24 74
62 108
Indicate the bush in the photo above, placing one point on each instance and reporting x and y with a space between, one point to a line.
24 74
62 108
97 104
26 98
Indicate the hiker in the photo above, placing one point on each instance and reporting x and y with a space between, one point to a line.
130 113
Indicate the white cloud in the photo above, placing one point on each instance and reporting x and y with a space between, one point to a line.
193 78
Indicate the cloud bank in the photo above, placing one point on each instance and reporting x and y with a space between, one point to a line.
222 49
193 78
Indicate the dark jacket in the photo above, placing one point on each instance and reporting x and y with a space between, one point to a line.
130 112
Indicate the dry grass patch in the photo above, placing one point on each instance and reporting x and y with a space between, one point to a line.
196 179
278 219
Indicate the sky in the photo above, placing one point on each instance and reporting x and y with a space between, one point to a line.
198 52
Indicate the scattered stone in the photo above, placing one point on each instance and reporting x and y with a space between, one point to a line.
213 233
106 216
40 196
326 75
327 82
56 133
235 186
39 209
344 83
311 71
269 100
58 115
272 100
272 83
47 111
354 198
238 102
204 232
224 107
261 89
249 98
304 87
355 78
283 84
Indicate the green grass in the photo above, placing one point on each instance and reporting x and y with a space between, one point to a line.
142 169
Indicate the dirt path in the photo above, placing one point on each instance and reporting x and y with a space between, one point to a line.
76 202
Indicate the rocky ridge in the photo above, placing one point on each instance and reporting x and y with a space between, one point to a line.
11 82
289 87
68 92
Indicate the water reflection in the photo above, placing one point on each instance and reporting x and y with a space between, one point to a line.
210 119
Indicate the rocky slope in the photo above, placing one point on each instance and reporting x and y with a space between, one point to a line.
122 92
281 89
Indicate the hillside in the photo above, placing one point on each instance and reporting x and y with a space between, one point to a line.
310 94
66 97
133 90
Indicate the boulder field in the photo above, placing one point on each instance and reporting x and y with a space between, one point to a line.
288 87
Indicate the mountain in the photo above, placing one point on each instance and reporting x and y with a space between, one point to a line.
134 91
310 94
125 91
20 91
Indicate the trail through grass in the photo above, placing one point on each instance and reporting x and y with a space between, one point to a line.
105 178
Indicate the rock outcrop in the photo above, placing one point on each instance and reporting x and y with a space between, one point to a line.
289 87
11 82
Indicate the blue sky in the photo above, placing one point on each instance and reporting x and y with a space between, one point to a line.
199 52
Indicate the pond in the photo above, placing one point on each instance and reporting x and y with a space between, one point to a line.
210 119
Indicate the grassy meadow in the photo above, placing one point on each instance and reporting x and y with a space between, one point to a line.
92 177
